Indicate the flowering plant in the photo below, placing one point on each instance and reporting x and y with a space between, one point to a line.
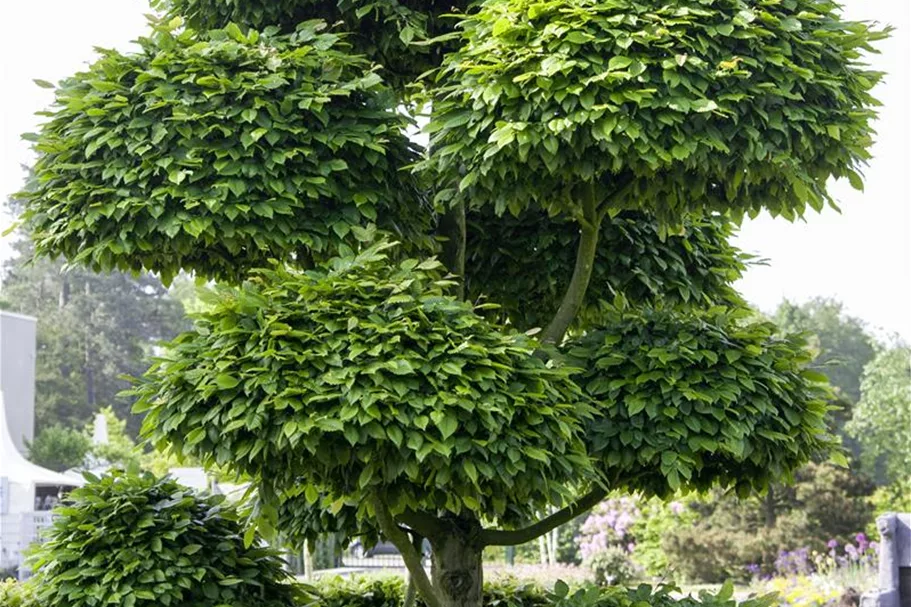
609 524
606 542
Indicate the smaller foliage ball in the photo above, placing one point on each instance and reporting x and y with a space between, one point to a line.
692 399
382 30
143 541
666 107
215 152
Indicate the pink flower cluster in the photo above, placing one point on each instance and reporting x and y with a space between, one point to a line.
608 525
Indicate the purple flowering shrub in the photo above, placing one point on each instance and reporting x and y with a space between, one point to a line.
608 525
606 543
860 555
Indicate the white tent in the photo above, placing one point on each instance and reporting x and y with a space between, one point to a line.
19 478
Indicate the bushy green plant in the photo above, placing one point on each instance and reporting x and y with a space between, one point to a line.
389 405
670 412
142 541
613 566
17 594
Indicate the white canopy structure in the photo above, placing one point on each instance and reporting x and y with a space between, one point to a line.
19 478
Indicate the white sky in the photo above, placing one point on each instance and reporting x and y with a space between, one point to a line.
862 257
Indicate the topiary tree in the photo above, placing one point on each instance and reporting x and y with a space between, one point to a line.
141 540
586 164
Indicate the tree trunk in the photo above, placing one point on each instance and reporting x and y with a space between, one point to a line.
456 570
768 506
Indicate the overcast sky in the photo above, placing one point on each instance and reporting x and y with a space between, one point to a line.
862 256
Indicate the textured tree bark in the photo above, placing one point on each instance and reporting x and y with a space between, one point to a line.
456 570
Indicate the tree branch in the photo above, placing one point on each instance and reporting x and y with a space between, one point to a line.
425 524
452 227
411 557
418 542
498 537
590 227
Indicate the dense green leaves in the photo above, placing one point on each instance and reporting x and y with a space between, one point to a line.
390 32
141 541
515 261
691 399
216 152
367 378
665 107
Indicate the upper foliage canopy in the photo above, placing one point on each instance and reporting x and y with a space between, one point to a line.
668 107
529 258
141 541
382 30
368 378
214 152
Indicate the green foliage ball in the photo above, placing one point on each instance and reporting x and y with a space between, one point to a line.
215 152
140 540
698 398
666 107
514 260
383 30
366 378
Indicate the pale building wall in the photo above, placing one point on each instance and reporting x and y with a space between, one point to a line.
17 375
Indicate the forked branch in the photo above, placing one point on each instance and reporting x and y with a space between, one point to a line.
411 556
498 537
590 227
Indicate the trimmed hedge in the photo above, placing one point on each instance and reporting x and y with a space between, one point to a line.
389 592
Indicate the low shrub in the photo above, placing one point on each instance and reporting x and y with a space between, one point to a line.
544 576
613 565
389 592
15 594
142 541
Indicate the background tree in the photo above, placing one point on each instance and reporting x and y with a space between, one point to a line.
59 448
880 422
842 348
348 377
92 328
843 345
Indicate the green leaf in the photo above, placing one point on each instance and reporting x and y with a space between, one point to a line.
791 24
226 381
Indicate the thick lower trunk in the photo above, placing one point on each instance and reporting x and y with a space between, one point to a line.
456 571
